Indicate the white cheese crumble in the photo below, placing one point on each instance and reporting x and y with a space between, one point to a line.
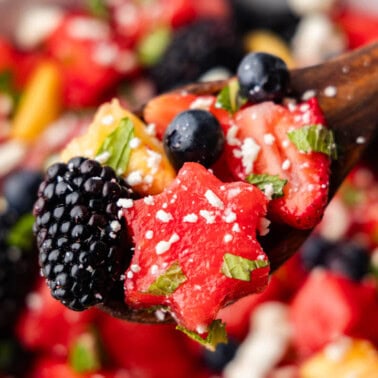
134 143
149 234
236 227
107 120
125 203
163 216
115 226
208 215
134 178
361 140
190 218
201 103
269 139
229 216
149 200
248 153
213 199
330 91
103 158
164 246
154 269
227 238
231 138
135 268
286 165
268 190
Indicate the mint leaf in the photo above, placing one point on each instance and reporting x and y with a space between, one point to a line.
314 138
117 146
216 335
84 355
168 282
152 47
7 86
239 267
98 8
229 98
21 234
264 180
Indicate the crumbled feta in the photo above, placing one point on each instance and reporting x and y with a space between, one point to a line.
107 120
330 91
149 234
269 139
163 216
125 203
134 178
231 138
149 200
227 238
248 152
135 268
286 165
208 215
213 199
164 246
134 143
229 216
190 218
115 226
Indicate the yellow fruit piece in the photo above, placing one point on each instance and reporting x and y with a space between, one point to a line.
148 171
266 41
40 103
343 359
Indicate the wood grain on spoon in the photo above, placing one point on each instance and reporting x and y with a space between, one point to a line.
347 90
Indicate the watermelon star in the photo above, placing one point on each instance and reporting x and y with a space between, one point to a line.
195 247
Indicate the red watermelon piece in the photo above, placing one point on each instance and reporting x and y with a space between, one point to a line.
189 236
330 305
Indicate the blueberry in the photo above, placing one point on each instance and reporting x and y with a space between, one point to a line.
222 355
349 259
262 77
345 257
193 135
314 250
20 190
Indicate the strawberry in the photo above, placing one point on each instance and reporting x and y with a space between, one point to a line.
196 249
329 305
46 325
79 42
135 348
258 143
161 110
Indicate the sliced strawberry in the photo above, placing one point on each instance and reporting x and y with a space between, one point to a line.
161 110
258 143
194 226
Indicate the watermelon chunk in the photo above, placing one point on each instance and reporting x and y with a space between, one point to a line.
329 306
195 247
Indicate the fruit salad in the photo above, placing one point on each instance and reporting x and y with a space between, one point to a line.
164 208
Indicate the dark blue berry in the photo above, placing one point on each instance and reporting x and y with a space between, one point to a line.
193 135
345 257
262 77
222 355
20 190
349 259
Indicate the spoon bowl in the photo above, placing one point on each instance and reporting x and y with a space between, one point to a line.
347 90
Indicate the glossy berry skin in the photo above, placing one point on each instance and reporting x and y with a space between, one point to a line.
262 77
193 136
20 190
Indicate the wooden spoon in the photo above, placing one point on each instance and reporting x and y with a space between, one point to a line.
347 90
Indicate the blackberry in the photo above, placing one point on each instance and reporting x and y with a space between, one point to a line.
18 266
195 49
81 236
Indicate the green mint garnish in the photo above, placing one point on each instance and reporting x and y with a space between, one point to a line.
7 85
264 180
117 146
152 47
84 354
314 138
21 234
98 8
168 282
229 98
239 267
216 335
